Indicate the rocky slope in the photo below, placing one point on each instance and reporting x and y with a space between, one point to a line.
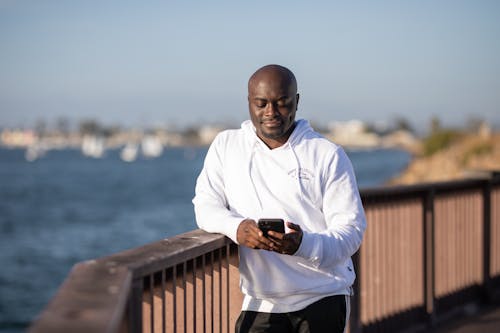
467 154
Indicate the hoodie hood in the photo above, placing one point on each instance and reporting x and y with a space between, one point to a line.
302 126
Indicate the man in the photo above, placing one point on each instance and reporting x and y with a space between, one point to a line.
277 167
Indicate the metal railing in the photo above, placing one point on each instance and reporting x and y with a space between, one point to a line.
428 251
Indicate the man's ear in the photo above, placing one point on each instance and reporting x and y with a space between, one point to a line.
297 101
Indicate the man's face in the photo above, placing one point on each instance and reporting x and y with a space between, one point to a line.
272 101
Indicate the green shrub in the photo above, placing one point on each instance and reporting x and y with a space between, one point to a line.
439 140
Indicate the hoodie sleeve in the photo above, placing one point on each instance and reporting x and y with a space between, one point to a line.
344 215
210 203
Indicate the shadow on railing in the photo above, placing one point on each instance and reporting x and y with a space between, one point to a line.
429 251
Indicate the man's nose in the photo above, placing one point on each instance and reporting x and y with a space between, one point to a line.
271 108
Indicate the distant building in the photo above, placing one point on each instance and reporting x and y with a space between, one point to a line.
485 130
18 138
352 134
208 133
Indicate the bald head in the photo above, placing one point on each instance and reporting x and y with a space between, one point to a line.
273 73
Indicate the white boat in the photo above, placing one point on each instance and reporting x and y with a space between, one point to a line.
34 152
151 146
93 146
129 152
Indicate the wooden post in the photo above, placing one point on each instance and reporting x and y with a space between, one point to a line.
135 306
486 240
429 269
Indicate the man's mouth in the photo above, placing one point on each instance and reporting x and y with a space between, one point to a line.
271 123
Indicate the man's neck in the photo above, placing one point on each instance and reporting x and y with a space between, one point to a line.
273 143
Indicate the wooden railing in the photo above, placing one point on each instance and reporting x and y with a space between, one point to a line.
429 250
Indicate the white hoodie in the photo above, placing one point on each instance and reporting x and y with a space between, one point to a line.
308 181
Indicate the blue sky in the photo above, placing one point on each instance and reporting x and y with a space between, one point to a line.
144 63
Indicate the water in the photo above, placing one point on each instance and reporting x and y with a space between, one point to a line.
65 208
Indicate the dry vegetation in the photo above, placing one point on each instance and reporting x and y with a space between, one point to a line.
452 155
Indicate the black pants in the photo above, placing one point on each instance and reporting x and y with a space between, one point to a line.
326 315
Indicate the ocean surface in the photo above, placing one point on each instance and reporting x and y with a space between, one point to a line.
64 208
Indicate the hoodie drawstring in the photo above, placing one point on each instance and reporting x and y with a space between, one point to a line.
252 153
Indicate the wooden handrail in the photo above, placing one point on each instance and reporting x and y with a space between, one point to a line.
93 298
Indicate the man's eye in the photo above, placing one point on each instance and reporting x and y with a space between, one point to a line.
261 104
283 102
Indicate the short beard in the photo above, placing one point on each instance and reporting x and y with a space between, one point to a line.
280 134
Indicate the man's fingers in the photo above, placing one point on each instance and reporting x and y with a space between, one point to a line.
260 242
251 236
287 243
276 235
293 226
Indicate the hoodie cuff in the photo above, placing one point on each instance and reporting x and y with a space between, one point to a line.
232 229
306 249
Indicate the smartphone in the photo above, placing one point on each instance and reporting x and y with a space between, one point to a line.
266 225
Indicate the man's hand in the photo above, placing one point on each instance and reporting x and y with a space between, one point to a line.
250 235
286 243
